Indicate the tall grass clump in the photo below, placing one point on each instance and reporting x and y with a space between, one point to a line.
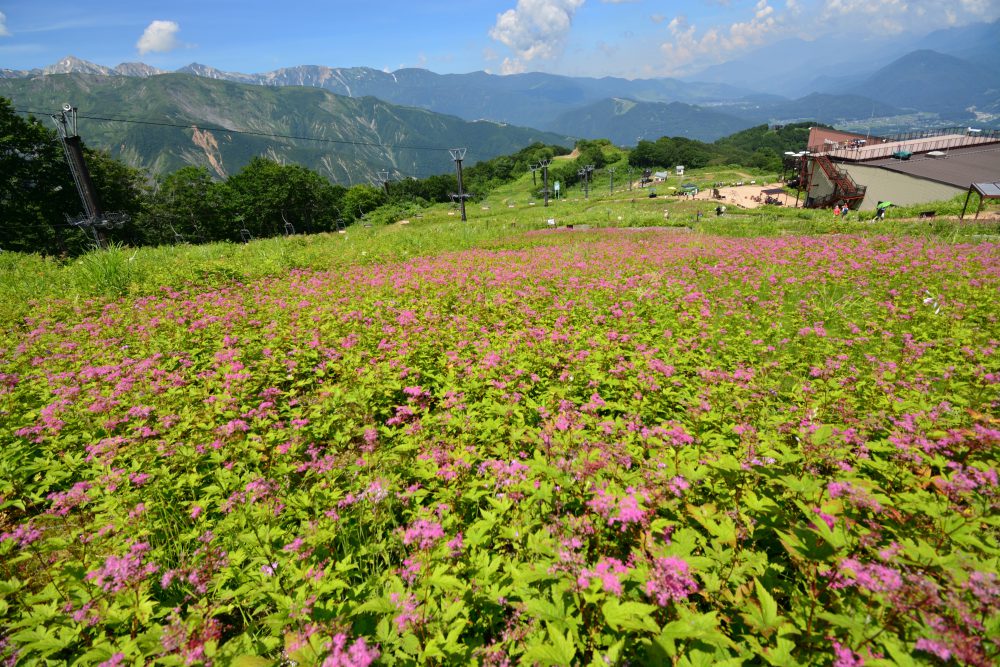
108 273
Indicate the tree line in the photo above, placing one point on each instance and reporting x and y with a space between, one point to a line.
266 198
762 147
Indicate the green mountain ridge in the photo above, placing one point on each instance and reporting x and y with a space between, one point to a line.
930 81
181 119
626 121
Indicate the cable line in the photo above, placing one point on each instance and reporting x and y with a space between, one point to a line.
246 132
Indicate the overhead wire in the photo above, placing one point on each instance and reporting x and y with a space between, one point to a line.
387 147
254 133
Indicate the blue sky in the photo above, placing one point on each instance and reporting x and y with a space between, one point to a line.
629 38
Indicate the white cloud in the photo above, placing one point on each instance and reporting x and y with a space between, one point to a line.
3 26
657 18
534 30
686 48
159 37
881 16
978 7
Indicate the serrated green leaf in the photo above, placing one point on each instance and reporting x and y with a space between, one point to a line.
250 661
629 615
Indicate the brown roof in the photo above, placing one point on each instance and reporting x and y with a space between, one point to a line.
819 135
960 167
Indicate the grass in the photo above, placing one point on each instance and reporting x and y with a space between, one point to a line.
28 282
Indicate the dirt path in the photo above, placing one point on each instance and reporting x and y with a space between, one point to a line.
745 196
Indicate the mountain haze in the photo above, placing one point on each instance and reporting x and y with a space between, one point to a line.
795 67
626 121
820 107
932 81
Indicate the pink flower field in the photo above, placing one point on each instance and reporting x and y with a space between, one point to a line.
603 449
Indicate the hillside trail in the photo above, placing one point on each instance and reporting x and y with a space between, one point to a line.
572 156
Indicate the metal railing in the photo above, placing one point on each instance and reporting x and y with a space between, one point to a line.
881 148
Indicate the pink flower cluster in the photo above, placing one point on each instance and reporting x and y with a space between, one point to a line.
607 571
424 533
63 502
625 510
506 473
854 495
670 581
407 607
869 576
843 656
25 534
189 642
121 572
358 654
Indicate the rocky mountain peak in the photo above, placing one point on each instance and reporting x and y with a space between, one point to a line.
138 69
74 65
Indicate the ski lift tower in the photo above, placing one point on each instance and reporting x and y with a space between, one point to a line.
93 220
458 154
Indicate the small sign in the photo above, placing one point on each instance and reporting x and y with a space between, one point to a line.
552 222
557 186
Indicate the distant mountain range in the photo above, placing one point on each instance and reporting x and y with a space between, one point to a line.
626 122
533 99
931 81
828 108
838 64
891 85
173 120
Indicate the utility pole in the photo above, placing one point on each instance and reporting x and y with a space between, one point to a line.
93 219
630 179
533 168
611 173
383 177
582 173
458 154
178 239
544 164
289 227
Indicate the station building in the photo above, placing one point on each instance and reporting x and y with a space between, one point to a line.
909 169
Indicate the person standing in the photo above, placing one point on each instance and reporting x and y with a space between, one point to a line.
836 211
880 210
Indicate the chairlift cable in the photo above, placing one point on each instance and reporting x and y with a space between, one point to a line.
244 132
